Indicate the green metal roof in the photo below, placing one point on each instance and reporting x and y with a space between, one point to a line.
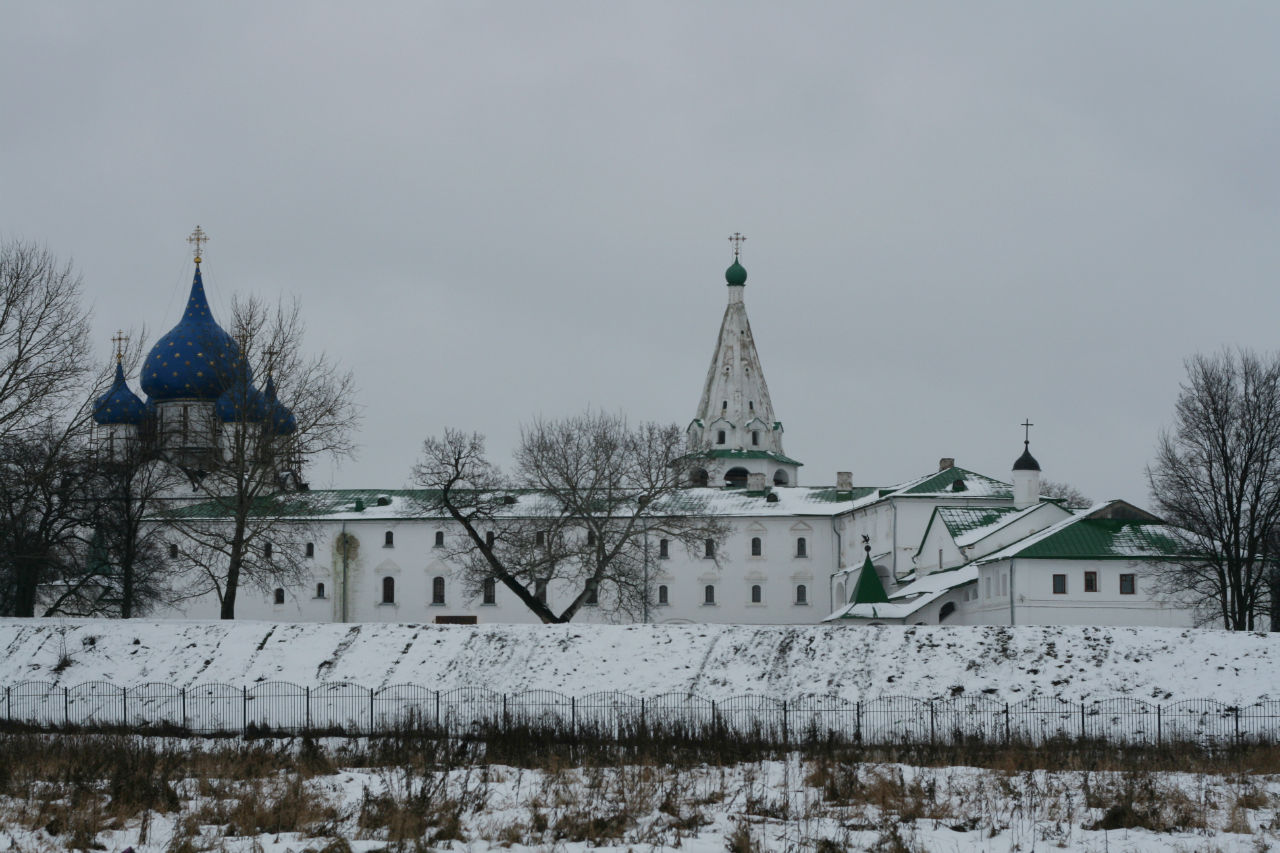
1106 539
959 520
974 485
748 454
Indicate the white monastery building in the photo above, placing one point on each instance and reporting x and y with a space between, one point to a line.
949 546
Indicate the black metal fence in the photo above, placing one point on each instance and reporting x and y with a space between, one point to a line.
280 706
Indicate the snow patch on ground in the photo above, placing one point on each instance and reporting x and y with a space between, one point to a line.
716 661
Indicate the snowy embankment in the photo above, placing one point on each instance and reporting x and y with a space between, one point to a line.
716 661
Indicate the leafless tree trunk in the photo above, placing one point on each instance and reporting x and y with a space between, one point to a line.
1217 475
571 527
251 527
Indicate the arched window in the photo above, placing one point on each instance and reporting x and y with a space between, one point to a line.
736 478
311 552
664 549
802 594
319 590
946 610
756 548
780 478
593 594
802 547
662 594
709 594
720 437
389 539
437 590
709 549
757 594
266 550
279 595
439 539
388 590
700 478
755 437
490 591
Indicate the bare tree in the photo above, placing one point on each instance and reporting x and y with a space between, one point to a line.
574 523
44 338
1216 475
1067 494
248 530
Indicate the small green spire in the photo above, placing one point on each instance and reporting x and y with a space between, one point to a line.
868 589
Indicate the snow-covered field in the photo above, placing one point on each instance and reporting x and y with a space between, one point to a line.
790 804
716 661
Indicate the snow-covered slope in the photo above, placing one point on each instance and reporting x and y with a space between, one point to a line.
1157 664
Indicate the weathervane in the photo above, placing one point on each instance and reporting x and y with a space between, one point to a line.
1027 425
120 339
198 238
737 240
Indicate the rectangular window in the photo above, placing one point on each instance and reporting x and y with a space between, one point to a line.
802 547
540 538
662 595
1059 584
710 549
664 549
1128 585
490 591
593 596
311 549
1090 581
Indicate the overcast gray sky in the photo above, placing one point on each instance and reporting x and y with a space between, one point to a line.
958 214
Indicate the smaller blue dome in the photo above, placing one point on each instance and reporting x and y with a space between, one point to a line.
242 402
280 418
119 405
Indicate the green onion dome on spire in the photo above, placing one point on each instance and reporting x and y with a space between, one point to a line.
196 360
119 405
736 274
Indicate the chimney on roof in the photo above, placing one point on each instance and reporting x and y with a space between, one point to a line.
844 481
946 462
755 483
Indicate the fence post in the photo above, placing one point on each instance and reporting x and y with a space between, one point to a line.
784 722
244 708
642 719
1236 713
8 704
715 718
66 706
573 716
857 722
1159 727
1008 727
184 707
437 710
931 735
124 706
1081 721
371 710
308 710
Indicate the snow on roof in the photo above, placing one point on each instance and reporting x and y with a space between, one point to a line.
952 482
910 598
969 525
1096 534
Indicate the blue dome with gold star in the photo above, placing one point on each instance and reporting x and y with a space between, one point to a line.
242 402
281 419
196 360
119 405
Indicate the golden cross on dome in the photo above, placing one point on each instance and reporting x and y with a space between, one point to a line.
198 238
737 240
120 339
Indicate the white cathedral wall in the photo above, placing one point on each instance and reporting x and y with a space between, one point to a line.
1035 602
413 563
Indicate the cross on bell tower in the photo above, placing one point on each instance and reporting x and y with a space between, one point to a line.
737 240
120 339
